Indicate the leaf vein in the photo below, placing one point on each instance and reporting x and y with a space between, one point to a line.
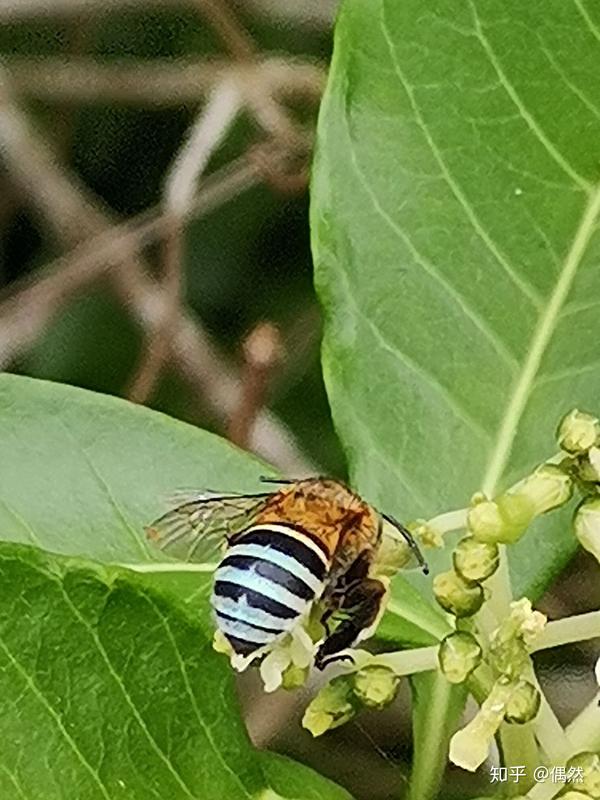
416 369
430 269
125 694
526 288
595 31
165 624
43 700
139 541
528 118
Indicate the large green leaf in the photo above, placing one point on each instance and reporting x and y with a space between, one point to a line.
109 690
455 214
82 473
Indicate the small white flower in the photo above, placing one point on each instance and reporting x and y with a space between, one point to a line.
294 649
469 747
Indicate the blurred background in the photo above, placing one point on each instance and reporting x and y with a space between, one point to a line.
154 244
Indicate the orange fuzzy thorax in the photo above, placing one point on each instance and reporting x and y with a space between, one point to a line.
328 510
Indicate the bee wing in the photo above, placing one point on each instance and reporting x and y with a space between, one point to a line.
197 528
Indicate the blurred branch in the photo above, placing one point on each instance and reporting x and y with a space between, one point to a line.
317 13
263 352
75 216
155 83
233 35
204 137
17 10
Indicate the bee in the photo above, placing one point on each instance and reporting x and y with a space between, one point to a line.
279 552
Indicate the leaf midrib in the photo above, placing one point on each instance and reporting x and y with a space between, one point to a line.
539 342
550 313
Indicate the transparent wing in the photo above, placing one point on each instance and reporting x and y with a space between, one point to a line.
398 549
197 529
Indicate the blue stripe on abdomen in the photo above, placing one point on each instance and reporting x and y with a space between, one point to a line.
281 559
260 589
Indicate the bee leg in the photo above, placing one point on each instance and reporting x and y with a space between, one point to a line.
361 604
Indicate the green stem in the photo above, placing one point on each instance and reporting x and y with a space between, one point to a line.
403 662
157 566
584 731
582 734
577 628
449 521
437 705
516 742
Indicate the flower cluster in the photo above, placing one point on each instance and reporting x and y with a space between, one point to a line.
372 686
489 646
512 698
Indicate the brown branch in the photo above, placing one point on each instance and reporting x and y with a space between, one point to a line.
157 82
234 36
202 140
32 303
263 351
316 13
49 188
156 348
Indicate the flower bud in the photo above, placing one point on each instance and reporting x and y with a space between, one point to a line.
334 705
427 535
528 623
509 643
470 746
475 560
578 432
546 488
459 654
524 704
220 643
588 466
502 520
393 553
293 677
456 595
587 526
588 766
375 686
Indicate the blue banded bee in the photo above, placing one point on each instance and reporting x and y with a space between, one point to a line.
307 540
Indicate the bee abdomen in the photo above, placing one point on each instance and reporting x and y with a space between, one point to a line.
267 579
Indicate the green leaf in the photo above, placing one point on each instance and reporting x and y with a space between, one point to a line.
108 690
455 216
86 472
82 473
436 709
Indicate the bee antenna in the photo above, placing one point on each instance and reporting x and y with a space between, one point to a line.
282 481
409 538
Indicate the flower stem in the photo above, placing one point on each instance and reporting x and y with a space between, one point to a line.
577 628
403 662
449 521
157 566
584 731
582 734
